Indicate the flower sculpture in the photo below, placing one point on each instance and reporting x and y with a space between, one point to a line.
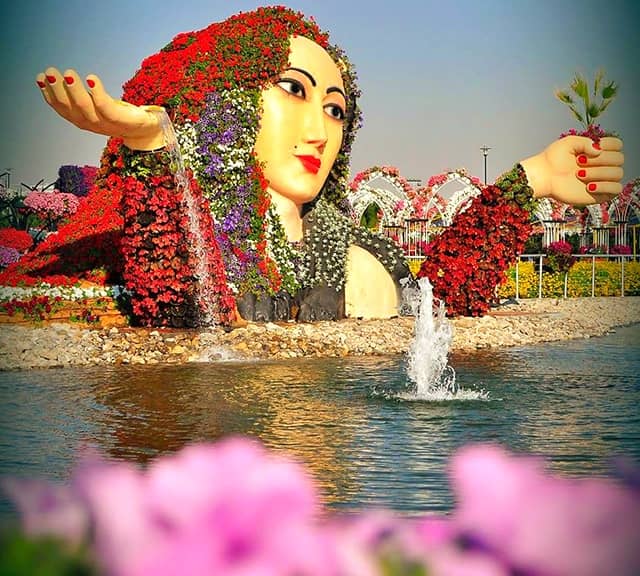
467 261
210 82
191 133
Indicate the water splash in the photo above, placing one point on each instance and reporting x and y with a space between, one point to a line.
217 353
204 284
427 359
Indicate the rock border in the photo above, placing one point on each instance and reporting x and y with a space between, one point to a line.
513 324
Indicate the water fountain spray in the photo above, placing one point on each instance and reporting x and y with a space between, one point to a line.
428 366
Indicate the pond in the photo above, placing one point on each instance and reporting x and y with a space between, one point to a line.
574 402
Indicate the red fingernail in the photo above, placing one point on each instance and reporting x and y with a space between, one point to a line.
582 159
582 173
40 83
91 83
592 187
69 79
596 145
51 79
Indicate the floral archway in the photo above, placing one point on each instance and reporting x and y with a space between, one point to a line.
624 211
626 206
384 187
428 205
456 189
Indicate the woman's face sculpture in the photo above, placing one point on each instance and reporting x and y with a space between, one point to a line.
301 124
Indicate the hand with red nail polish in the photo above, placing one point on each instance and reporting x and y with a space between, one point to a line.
575 170
91 108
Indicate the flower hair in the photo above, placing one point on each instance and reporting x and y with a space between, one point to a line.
210 81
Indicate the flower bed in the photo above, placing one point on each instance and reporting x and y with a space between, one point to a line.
608 280
94 312
86 304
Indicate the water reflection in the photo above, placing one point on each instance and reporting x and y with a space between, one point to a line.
573 402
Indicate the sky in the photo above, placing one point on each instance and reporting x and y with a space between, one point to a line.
439 79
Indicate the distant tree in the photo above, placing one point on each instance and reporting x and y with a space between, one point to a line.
371 217
592 102
533 244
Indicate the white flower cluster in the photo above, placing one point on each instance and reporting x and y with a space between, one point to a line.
326 243
65 292
186 137
384 249
291 261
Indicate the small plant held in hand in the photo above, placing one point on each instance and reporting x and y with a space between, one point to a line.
594 102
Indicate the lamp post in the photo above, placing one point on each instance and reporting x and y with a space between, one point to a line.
485 151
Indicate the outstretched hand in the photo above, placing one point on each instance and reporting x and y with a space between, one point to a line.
577 171
95 110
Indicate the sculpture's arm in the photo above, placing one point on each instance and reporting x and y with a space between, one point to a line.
93 109
575 170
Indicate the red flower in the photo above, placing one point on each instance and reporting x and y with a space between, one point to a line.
20 240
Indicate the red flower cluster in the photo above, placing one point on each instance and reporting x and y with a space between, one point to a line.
89 241
19 240
559 257
36 307
160 266
594 131
467 261
247 49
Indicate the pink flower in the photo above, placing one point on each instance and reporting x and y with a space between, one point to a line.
542 525
52 205
227 508
235 509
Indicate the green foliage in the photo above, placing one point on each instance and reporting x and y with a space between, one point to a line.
44 556
533 244
370 217
593 102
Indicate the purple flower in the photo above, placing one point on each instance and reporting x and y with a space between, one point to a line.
48 509
8 256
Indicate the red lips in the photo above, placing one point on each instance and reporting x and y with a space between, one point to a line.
311 163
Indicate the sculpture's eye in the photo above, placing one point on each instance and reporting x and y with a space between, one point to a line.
292 86
335 111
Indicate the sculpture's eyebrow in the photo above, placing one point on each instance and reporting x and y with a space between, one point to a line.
307 74
338 90
314 83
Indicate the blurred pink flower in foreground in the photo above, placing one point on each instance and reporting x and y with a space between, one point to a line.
509 506
236 509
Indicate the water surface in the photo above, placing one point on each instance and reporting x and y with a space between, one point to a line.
575 402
